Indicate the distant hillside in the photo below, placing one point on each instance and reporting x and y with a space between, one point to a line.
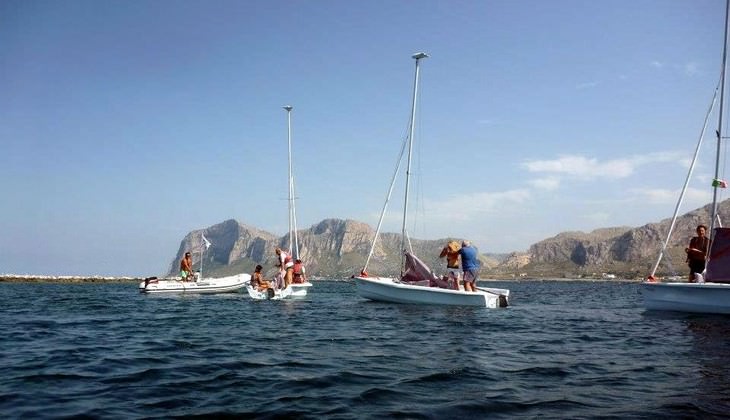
337 248
627 252
331 248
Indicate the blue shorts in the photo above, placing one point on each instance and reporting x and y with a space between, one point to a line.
470 276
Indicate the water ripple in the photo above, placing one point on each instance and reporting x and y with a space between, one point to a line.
564 349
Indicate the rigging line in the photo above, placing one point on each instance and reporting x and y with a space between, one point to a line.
387 199
686 181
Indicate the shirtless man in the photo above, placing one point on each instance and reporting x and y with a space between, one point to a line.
257 280
186 267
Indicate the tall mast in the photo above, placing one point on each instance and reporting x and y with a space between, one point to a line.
292 209
719 123
417 57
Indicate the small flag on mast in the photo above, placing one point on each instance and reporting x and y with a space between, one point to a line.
206 242
719 183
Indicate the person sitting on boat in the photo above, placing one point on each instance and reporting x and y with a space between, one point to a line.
470 266
257 280
286 265
697 253
445 282
299 273
186 267
453 280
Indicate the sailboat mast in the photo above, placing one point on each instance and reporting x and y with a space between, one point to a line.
292 232
719 123
417 57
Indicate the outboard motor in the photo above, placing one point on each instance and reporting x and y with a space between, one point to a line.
149 280
503 301
270 293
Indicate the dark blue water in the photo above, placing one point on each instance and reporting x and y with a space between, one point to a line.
563 350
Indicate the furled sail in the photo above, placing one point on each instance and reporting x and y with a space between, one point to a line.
416 271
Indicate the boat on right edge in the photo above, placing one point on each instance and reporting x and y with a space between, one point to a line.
416 283
711 294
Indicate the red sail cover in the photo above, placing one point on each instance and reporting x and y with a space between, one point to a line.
417 272
718 266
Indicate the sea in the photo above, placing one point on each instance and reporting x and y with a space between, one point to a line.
563 349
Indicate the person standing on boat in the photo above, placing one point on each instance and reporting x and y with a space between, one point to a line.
286 265
451 252
470 266
697 251
186 267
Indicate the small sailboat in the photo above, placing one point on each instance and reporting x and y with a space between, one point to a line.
711 294
275 292
197 284
297 288
414 285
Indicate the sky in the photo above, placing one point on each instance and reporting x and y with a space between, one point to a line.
126 125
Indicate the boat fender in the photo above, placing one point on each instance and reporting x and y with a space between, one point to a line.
503 301
270 293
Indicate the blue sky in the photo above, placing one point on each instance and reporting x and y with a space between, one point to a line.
125 125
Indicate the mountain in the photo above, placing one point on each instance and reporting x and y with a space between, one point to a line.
627 252
338 248
331 248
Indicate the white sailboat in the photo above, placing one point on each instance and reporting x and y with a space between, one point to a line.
198 283
413 285
295 289
712 294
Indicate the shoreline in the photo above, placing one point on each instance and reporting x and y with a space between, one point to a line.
27 278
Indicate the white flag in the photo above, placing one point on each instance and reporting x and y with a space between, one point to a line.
206 242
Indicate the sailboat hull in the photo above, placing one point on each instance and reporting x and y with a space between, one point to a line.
297 290
300 289
385 289
269 294
707 298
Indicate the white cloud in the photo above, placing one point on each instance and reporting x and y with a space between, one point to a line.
694 197
691 68
590 168
600 218
550 183
470 206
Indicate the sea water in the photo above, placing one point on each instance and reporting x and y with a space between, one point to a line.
562 350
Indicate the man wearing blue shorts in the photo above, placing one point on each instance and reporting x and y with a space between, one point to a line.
470 265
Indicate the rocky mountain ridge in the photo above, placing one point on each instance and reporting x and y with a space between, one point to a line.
336 248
